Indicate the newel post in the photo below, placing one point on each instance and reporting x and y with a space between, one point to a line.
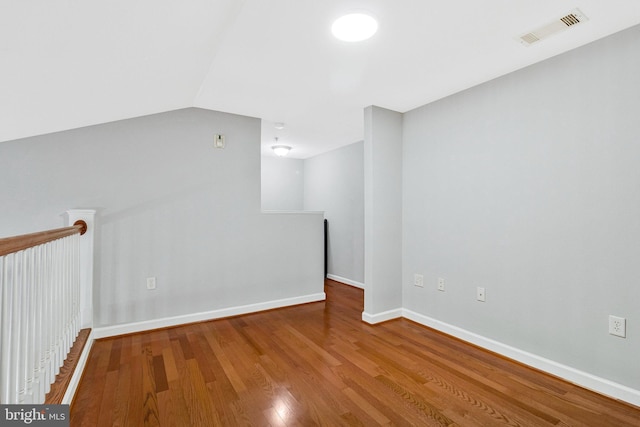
86 262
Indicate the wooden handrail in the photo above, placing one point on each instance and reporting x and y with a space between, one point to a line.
10 245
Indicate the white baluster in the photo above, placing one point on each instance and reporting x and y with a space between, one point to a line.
54 311
66 296
5 328
38 389
9 331
63 303
46 312
29 323
24 318
2 309
16 345
72 291
77 296
8 358
48 326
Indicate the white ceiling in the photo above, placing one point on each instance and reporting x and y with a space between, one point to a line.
71 63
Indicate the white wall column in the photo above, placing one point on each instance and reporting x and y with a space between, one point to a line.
382 214
86 262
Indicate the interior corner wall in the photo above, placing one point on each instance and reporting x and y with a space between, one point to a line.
528 186
169 205
282 184
382 214
334 183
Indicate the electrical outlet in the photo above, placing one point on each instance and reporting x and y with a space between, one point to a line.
618 326
440 284
480 294
151 283
418 280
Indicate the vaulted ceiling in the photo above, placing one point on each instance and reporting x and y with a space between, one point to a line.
71 63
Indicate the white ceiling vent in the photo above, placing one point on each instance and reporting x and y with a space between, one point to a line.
573 18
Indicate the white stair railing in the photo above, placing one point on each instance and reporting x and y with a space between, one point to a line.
40 310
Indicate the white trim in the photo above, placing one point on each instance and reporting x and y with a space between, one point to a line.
128 328
70 392
581 378
345 281
381 317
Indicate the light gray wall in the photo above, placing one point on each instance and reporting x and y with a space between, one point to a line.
170 206
334 183
382 213
282 184
529 186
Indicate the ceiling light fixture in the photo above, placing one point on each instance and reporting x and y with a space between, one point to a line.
354 27
280 150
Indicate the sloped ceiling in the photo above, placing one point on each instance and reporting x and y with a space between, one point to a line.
72 63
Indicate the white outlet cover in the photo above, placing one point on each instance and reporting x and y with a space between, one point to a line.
618 326
151 283
480 295
440 284
418 280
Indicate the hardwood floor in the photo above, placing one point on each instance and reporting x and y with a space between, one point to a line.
319 364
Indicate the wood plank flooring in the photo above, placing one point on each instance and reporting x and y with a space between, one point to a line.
319 364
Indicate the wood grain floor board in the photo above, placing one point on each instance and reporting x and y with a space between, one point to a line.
308 379
204 355
583 404
474 403
368 388
248 335
534 399
107 403
319 364
467 378
228 368
121 409
287 367
135 392
91 400
178 412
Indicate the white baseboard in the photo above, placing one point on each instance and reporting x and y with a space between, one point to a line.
70 392
128 328
381 317
583 379
345 281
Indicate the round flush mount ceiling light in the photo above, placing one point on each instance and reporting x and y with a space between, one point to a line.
280 150
354 27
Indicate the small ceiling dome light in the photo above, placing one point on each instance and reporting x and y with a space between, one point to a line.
354 27
280 150
279 125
